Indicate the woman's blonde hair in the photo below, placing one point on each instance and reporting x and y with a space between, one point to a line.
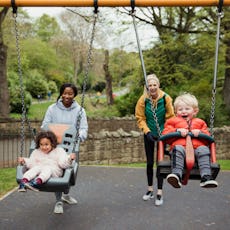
153 77
188 99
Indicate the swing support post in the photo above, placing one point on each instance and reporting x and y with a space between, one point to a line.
112 3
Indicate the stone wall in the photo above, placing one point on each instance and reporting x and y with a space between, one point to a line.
125 147
112 147
222 139
118 140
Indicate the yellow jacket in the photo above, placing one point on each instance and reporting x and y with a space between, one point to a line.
140 110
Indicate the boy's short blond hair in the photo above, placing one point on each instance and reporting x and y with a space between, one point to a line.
188 99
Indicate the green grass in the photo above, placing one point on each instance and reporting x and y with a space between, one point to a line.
8 175
224 164
93 109
37 111
7 180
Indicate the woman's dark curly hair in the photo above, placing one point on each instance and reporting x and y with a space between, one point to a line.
46 134
67 85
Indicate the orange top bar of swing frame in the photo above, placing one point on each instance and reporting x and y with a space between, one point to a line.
114 3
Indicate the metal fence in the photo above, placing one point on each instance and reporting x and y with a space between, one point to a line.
10 149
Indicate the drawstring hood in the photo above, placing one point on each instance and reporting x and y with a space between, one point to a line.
61 106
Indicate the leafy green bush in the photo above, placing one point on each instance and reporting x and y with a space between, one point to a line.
52 87
36 84
126 104
99 87
16 100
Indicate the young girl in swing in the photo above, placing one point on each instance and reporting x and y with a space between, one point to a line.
186 108
46 161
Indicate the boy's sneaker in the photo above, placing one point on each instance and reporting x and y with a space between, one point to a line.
21 187
208 182
32 185
159 200
68 199
58 209
174 180
149 195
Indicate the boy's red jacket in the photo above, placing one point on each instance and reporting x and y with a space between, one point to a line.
174 123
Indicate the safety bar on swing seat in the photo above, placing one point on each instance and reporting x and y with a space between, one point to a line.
166 165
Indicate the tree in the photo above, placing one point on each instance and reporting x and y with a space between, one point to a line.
108 79
76 30
46 27
172 23
40 55
4 93
122 65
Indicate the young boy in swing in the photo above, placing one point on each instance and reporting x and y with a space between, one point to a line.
46 161
186 108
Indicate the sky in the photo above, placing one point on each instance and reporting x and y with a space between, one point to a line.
39 11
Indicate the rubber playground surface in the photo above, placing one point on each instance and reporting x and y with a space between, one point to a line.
110 198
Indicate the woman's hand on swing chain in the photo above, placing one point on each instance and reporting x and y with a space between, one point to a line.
150 137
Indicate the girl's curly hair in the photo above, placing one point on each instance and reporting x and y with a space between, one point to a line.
46 134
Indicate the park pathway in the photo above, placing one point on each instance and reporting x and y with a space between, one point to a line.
110 198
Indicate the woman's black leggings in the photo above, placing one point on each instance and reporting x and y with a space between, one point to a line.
149 151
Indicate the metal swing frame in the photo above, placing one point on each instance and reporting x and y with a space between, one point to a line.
110 3
113 3
67 135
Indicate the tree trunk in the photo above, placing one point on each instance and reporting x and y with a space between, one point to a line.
226 88
4 92
108 79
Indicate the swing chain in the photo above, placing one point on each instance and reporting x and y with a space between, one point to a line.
24 115
220 15
212 115
132 13
86 77
21 84
155 118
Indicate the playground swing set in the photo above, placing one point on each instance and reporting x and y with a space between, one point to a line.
68 136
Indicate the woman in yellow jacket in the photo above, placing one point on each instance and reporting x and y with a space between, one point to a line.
153 108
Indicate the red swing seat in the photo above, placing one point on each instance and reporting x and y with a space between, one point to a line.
191 169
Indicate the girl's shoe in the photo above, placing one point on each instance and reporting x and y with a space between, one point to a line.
21 187
32 185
